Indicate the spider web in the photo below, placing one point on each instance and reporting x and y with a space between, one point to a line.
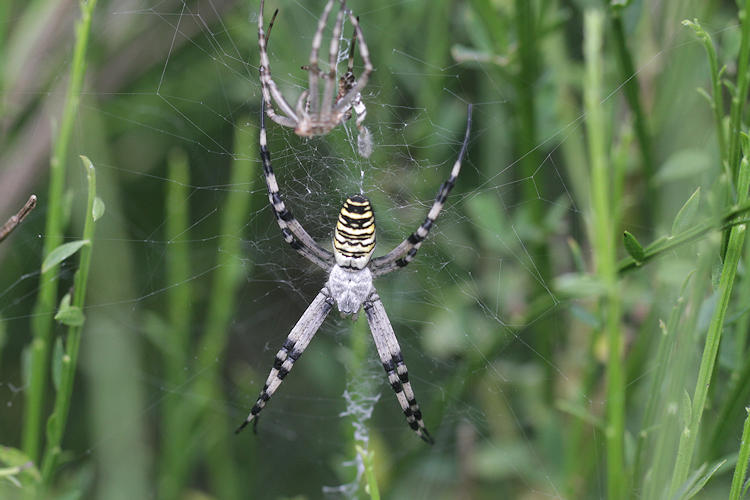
460 310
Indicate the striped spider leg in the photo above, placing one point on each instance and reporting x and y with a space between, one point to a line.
407 249
310 116
15 220
349 286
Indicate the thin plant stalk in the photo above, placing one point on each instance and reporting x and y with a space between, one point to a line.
717 98
41 323
15 220
731 406
632 92
603 240
689 435
738 480
667 244
58 420
368 459
224 472
739 96
176 421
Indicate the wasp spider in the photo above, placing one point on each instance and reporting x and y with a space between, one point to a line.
311 116
349 287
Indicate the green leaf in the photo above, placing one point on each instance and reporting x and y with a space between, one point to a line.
686 216
633 247
57 356
98 209
61 253
697 480
71 316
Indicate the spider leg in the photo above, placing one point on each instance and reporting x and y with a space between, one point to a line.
329 90
346 100
15 220
267 85
407 249
291 229
313 66
393 362
293 347
352 98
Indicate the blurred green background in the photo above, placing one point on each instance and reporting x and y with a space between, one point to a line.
542 370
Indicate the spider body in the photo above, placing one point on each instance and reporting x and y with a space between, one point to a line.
351 271
318 113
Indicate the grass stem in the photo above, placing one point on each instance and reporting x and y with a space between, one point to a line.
58 420
603 240
42 321
176 422
738 481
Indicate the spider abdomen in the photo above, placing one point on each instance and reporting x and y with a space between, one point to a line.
349 288
354 236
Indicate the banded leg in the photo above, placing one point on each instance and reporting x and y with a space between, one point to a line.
390 354
407 249
295 344
291 229
267 85
333 54
313 66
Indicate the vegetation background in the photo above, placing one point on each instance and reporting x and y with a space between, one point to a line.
553 356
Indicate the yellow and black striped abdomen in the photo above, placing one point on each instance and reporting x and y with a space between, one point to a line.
354 237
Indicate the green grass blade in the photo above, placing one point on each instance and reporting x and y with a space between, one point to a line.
741 468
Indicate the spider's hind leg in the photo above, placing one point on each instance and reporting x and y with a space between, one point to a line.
393 362
294 345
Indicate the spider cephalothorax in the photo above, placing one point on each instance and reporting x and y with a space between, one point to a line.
350 286
316 114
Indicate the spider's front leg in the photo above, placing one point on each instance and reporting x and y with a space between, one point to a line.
393 362
295 344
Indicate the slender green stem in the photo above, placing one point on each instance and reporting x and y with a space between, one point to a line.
737 396
176 421
372 483
231 269
41 323
667 244
717 103
58 420
740 95
632 92
603 239
525 85
689 435
738 481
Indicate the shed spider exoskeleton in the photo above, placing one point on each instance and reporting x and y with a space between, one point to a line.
311 116
349 286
